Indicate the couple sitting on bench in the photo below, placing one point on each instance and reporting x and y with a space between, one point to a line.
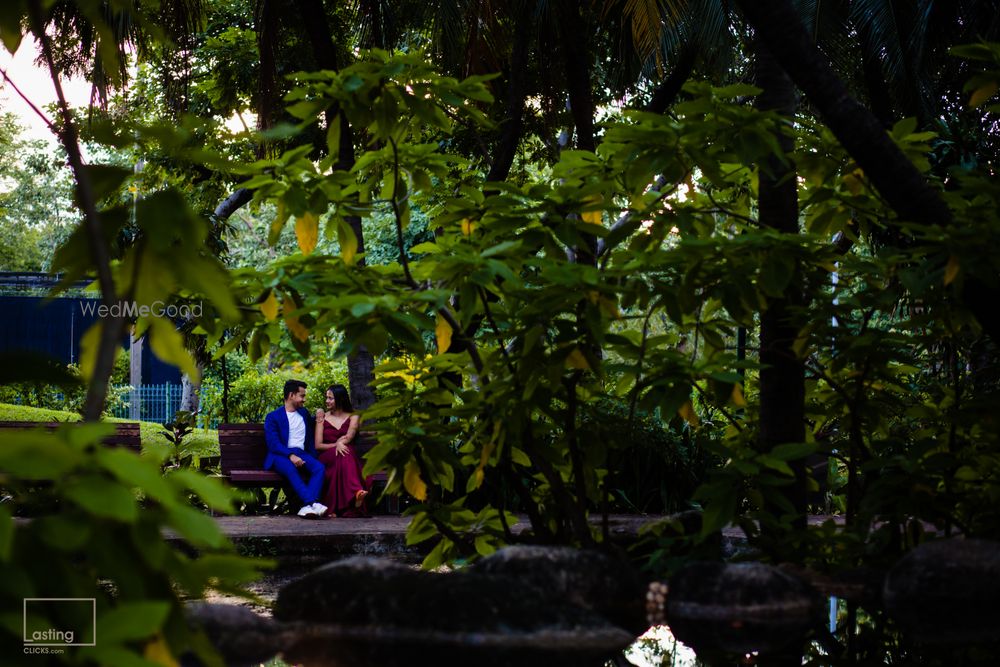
317 457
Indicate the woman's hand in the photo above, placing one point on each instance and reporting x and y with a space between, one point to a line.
341 448
320 415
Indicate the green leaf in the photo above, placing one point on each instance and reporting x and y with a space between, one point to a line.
135 471
484 547
11 13
132 621
63 533
168 345
105 179
195 527
36 455
333 136
776 274
793 450
102 497
904 128
6 532
426 248
212 491
720 509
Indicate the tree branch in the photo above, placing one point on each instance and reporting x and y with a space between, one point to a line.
38 112
111 327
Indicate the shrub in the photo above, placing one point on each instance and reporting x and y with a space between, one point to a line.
107 542
654 467
70 399
256 392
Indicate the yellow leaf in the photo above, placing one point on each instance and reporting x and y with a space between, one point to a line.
277 224
292 322
593 217
442 331
737 397
348 242
307 232
801 342
89 343
158 652
168 345
610 308
270 307
687 412
411 480
853 181
468 227
577 360
483 458
983 93
951 270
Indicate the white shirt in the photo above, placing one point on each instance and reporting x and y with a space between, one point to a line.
296 430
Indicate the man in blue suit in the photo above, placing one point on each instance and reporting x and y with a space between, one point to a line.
291 450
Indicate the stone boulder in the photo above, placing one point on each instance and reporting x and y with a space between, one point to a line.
367 611
603 582
947 592
241 636
741 607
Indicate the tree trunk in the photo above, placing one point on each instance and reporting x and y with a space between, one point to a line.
266 26
361 364
233 203
777 25
512 127
782 375
190 390
134 374
573 39
667 92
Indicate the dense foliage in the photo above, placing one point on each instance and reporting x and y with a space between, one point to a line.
733 284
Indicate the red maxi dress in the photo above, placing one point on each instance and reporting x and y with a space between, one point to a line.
342 477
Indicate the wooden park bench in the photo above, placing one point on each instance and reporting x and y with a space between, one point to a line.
126 433
242 450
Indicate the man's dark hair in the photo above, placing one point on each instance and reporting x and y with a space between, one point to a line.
292 387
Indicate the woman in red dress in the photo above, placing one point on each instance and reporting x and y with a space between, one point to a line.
335 431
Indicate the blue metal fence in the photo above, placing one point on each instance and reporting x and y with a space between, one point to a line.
150 403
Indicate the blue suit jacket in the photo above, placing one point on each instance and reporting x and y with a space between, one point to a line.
276 435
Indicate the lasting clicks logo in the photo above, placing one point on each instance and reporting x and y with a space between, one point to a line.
53 623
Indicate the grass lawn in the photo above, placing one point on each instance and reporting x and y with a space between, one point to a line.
201 442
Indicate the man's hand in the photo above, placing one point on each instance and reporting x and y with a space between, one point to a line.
296 460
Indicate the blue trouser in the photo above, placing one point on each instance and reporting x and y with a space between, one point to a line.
309 491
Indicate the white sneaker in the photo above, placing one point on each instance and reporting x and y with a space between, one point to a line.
307 511
319 508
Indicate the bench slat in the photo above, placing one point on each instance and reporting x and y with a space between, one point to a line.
254 477
127 434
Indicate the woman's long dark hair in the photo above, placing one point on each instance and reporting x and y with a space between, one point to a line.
341 398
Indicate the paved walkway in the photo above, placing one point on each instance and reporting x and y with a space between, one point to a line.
291 539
